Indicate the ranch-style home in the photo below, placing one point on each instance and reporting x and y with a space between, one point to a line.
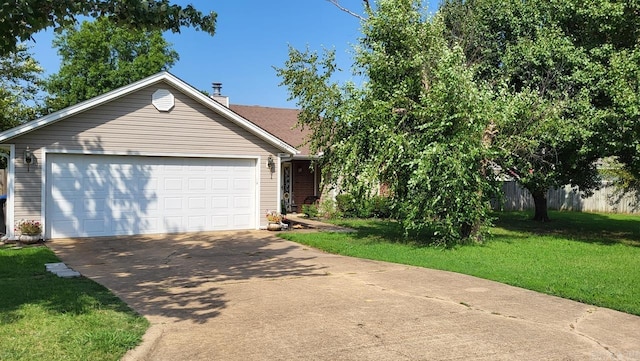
155 156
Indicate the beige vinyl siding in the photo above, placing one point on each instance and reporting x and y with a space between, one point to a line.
132 125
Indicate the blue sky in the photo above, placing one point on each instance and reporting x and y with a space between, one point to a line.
252 37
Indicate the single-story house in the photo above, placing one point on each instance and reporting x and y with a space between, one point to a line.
155 156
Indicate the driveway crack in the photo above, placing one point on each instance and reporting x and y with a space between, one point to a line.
574 328
167 259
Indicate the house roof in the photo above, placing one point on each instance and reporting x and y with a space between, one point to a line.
281 122
164 76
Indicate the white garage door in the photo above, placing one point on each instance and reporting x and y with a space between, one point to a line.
98 195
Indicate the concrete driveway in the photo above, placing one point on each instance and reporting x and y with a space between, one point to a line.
251 296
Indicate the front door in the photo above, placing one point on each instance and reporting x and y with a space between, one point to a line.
287 198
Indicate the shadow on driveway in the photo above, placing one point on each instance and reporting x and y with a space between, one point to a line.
177 276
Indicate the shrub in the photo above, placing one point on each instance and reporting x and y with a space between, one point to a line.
311 210
363 209
376 206
346 205
380 207
328 209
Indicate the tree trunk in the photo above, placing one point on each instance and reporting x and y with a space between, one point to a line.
471 232
540 202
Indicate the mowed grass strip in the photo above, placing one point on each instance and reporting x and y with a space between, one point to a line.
591 258
44 317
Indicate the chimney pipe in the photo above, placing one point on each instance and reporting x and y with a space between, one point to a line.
217 94
217 89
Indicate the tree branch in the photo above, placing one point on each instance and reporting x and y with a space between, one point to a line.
337 4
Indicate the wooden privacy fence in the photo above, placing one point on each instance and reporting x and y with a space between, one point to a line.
606 199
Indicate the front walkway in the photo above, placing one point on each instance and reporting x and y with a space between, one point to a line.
313 225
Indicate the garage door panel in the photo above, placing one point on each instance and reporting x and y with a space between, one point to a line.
197 223
93 190
242 185
94 207
220 205
66 226
177 168
66 207
151 206
173 184
94 226
241 220
220 184
122 216
172 204
174 224
199 169
119 205
197 185
241 202
220 222
123 228
197 203
146 225
117 195
96 172
147 183
68 184
66 170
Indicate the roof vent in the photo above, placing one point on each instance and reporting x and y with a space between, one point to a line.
163 100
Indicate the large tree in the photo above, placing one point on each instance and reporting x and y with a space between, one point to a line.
622 89
557 67
100 56
20 86
418 125
21 19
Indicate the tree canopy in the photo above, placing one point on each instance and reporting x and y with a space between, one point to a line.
418 125
100 56
557 68
538 90
20 85
21 19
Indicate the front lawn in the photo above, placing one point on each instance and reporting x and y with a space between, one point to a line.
44 317
591 258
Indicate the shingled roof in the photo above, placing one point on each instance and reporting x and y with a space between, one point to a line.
280 122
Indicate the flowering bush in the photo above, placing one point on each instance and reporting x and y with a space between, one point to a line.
274 217
29 227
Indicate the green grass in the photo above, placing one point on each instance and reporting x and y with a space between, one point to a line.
44 317
591 258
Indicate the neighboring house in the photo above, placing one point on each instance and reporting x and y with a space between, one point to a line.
156 156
